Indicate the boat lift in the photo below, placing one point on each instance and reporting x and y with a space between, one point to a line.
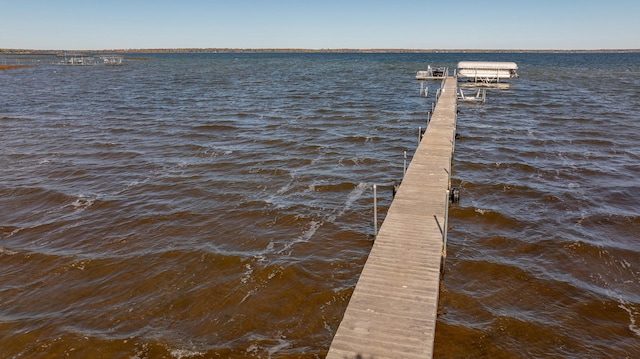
480 97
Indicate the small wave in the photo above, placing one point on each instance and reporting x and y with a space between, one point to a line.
282 344
247 274
132 184
633 315
355 161
335 187
353 196
489 215
83 202
217 128
6 251
184 353
270 346
10 231
210 152
285 188
311 229
313 226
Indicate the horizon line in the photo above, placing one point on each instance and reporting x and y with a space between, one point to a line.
283 50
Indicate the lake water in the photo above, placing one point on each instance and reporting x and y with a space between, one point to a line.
220 205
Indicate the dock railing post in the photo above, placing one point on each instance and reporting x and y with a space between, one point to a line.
375 212
444 229
404 169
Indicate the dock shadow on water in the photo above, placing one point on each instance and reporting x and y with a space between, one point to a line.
188 206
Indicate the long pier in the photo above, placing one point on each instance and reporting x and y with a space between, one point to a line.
392 311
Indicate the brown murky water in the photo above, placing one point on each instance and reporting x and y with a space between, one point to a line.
219 205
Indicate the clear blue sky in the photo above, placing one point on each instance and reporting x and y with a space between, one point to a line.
320 24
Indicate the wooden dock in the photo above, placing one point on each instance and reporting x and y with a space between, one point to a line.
392 311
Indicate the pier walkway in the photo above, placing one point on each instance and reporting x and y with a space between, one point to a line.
392 311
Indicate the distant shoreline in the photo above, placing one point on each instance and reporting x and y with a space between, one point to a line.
293 50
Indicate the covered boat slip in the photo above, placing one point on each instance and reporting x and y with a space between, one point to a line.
486 71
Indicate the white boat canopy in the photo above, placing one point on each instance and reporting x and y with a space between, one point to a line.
486 71
487 65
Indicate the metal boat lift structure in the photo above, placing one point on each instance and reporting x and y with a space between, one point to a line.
480 97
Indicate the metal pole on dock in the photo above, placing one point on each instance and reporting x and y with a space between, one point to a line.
404 170
375 212
446 224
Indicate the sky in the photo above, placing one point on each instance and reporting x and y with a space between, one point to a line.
320 24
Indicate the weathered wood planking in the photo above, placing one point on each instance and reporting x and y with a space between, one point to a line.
392 311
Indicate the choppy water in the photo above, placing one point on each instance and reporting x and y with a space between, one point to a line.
219 205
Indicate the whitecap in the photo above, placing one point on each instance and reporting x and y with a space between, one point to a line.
253 348
247 274
353 196
249 293
13 233
184 353
633 326
270 246
6 251
82 202
284 189
282 344
305 236
313 227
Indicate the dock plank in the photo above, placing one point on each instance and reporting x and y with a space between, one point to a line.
393 309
